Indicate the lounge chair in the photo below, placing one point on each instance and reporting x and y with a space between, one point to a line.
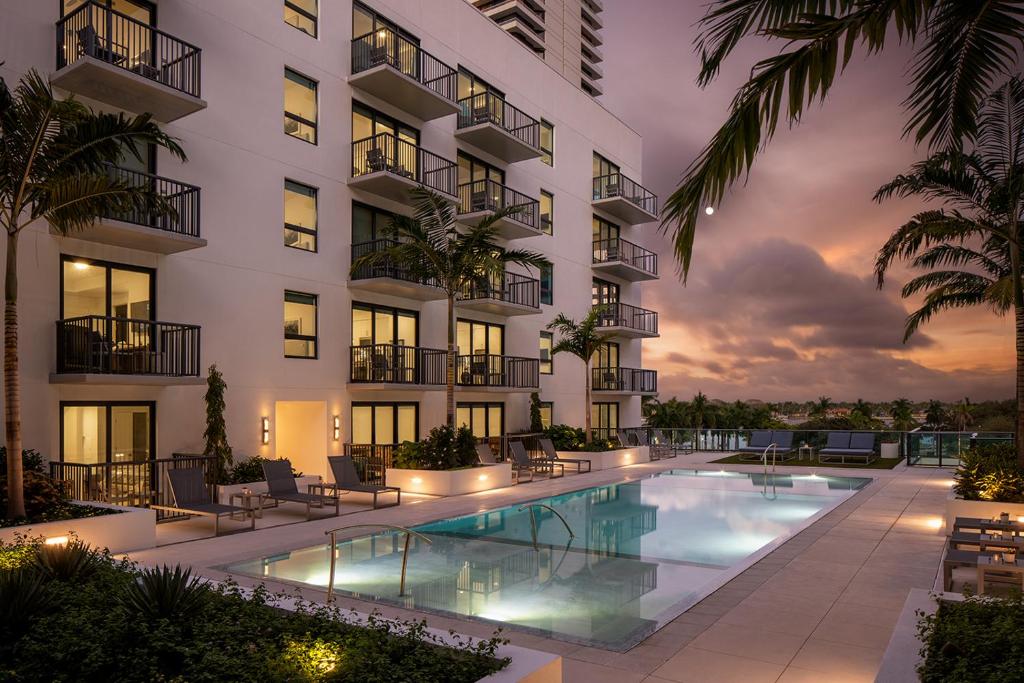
191 496
623 437
674 448
657 451
346 478
843 445
281 488
761 439
484 454
521 461
549 450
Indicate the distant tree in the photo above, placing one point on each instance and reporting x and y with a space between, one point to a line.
902 413
862 407
935 415
962 414
820 408
670 414
699 406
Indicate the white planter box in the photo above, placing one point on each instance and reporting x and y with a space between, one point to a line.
890 450
224 492
620 457
130 529
450 482
958 507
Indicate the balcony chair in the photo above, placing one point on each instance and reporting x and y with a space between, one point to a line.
346 478
190 495
522 462
552 455
281 488
612 381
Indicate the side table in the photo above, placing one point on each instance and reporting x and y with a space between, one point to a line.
251 503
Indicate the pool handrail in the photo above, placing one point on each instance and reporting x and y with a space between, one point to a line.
409 533
533 520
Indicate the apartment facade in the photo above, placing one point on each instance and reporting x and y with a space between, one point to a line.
305 128
564 33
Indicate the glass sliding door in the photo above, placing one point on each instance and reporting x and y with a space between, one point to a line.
605 419
481 353
384 342
384 423
485 420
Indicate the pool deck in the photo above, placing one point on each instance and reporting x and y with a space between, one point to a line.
821 607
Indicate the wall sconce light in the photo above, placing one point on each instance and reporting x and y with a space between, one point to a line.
265 427
337 428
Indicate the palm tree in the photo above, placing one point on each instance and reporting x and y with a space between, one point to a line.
963 49
582 340
55 156
429 247
970 248
862 407
821 407
935 414
902 413
963 414
698 406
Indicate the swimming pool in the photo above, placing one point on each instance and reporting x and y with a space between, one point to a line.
643 552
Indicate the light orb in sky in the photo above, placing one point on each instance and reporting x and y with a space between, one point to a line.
710 211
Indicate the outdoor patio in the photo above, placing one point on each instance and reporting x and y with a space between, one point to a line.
822 606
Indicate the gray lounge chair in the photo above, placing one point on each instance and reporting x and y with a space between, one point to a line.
685 447
281 488
522 462
658 438
346 478
549 450
484 454
623 438
191 496
657 451
761 439
842 445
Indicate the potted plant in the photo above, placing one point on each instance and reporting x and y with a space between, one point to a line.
444 464
248 475
570 441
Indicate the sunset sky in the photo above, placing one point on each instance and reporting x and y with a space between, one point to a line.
781 303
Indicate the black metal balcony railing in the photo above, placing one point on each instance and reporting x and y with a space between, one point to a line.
384 46
488 195
387 269
490 370
618 185
625 315
511 288
397 364
390 153
135 483
182 197
608 250
624 379
95 31
127 346
371 460
486 107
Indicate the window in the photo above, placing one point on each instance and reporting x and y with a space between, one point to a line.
604 418
300 113
98 288
470 84
547 284
367 122
547 142
485 420
606 356
547 413
479 339
606 178
300 320
604 293
547 341
472 170
547 212
604 231
370 223
301 14
300 216
384 423
107 431
372 325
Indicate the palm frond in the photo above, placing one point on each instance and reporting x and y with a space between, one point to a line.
1001 130
924 230
936 302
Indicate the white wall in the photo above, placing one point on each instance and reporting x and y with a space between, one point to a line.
233 288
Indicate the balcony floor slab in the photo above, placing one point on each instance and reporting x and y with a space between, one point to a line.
391 85
103 379
133 236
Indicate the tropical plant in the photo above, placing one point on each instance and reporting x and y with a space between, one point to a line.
962 414
536 423
821 407
989 472
54 166
444 448
902 413
580 339
68 562
250 470
430 247
698 406
566 437
963 49
862 408
23 598
670 414
935 415
165 593
216 434
970 247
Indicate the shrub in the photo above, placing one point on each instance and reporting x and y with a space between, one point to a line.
216 434
72 561
443 449
990 472
977 641
165 593
565 438
251 470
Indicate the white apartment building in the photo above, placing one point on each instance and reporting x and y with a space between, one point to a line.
566 33
305 125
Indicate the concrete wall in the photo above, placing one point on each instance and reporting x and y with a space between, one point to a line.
239 155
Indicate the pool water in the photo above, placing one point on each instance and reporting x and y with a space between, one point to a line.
642 552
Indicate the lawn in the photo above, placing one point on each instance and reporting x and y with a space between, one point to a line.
879 464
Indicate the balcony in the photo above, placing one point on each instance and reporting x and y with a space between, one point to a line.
629 322
625 260
482 198
489 371
491 124
396 367
619 196
386 278
399 72
390 167
96 349
148 231
508 294
624 381
110 57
